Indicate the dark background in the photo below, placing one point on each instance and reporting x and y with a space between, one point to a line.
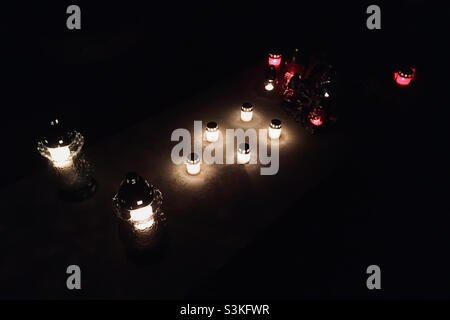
132 60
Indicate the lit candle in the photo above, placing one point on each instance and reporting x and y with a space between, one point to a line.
275 129
316 120
138 203
212 132
269 85
60 156
243 155
274 59
60 146
246 112
142 218
404 76
316 116
193 163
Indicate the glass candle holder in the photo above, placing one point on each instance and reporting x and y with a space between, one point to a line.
60 146
243 155
269 85
212 131
70 170
246 112
316 116
274 59
193 163
271 76
138 203
275 129
404 76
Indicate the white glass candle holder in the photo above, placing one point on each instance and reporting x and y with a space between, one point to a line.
193 163
212 132
275 129
243 155
316 116
246 112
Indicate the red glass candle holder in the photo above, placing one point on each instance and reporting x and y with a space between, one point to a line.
404 76
274 59
316 116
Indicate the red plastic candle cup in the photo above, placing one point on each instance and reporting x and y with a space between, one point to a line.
274 60
316 120
316 117
404 76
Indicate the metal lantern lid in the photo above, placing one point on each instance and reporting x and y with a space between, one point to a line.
247 107
57 136
244 148
406 72
212 126
134 192
192 158
275 54
275 124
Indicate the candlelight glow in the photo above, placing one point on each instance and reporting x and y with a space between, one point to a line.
212 136
402 80
269 86
404 76
317 116
60 156
212 132
274 60
193 164
246 112
142 218
138 204
275 129
193 168
317 121
59 145
243 155
246 115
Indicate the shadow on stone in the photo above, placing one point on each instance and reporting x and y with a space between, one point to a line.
78 193
144 248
